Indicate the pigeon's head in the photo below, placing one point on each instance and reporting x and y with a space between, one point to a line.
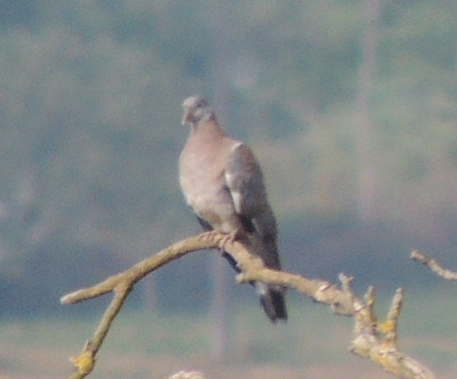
195 109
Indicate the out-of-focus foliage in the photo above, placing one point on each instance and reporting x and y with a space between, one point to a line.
90 95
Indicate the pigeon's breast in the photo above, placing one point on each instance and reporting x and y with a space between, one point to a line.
203 185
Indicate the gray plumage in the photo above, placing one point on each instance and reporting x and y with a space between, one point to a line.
223 183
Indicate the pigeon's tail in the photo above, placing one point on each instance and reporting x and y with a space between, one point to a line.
272 301
271 297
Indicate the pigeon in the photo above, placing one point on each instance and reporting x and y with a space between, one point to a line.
223 184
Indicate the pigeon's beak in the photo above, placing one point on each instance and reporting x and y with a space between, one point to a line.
185 118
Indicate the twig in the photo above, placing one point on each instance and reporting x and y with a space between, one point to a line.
433 265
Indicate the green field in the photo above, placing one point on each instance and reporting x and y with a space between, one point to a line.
143 344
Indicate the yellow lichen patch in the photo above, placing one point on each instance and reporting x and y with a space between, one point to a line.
84 362
387 326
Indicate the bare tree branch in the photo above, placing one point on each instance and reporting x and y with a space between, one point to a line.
373 340
433 265
122 284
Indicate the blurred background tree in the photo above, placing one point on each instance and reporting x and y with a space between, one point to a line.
90 108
